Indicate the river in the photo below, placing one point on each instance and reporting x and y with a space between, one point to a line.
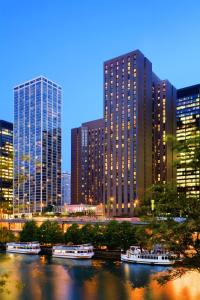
47 278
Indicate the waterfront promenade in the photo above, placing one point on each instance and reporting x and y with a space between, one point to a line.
16 224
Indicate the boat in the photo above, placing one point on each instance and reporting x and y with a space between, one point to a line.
157 256
73 251
23 247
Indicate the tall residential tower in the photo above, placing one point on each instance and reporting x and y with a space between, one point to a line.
87 163
37 145
139 113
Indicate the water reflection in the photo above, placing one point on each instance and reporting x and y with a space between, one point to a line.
34 277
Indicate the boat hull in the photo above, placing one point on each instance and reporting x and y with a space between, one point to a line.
32 252
88 256
124 258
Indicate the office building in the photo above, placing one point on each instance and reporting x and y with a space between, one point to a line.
6 166
66 188
164 128
136 106
37 146
87 163
188 127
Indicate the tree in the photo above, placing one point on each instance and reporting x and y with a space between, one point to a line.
6 236
29 232
112 237
50 233
73 234
127 236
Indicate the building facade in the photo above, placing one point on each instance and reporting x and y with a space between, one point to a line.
66 188
164 128
37 146
134 123
188 127
87 163
6 165
76 166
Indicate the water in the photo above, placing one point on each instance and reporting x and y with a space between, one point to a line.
41 278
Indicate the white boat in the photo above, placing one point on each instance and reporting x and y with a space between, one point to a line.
155 257
24 248
75 251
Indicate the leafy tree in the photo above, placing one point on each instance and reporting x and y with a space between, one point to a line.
50 233
87 233
29 232
73 234
126 235
99 235
6 236
112 237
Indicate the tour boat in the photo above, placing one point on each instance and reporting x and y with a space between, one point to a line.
24 248
155 257
74 251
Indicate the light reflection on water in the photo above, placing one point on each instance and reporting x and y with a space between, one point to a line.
41 278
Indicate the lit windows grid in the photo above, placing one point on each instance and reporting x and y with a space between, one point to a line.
188 126
6 160
37 170
120 98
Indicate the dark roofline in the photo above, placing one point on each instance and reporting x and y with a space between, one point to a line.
189 90
6 124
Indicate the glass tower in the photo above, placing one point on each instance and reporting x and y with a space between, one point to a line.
66 188
6 165
188 127
37 146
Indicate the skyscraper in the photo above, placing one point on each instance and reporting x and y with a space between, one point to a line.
164 128
6 165
87 163
188 127
133 99
37 145
76 157
66 188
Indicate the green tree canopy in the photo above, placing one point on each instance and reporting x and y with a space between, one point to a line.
29 232
73 234
6 236
50 233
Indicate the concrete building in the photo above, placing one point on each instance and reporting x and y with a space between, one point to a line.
37 145
6 165
87 163
139 112
188 127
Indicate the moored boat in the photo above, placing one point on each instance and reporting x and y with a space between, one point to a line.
73 251
23 247
155 257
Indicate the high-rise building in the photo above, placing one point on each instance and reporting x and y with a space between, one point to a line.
188 127
6 165
164 128
136 106
87 163
37 145
76 166
66 188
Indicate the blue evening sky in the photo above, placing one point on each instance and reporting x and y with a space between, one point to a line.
68 40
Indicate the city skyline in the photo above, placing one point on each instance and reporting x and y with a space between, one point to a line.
77 50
